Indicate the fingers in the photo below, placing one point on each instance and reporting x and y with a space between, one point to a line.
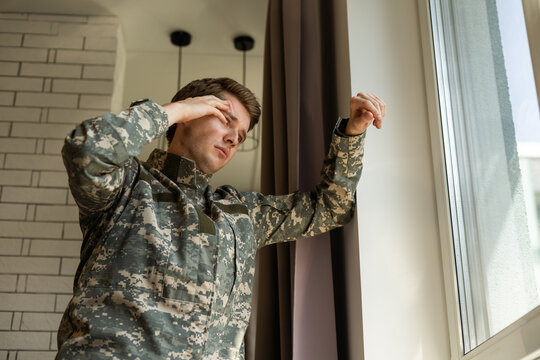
216 102
381 103
200 106
366 109
216 106
220 115
362 102
369 102
219 106
368 113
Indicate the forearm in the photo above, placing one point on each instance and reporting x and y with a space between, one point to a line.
331 204
335 193
96 151
195 107
173 111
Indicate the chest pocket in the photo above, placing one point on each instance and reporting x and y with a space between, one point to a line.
235 246
190 272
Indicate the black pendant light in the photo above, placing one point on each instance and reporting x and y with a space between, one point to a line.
244 43
181 39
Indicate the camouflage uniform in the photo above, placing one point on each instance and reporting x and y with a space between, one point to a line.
167 263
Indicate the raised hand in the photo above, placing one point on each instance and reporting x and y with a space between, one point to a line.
366 109
196 107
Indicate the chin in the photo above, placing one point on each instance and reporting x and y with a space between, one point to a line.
213 165
210 169
215 170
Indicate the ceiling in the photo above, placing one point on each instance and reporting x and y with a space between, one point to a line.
147 24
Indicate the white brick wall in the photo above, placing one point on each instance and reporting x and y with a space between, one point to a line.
55 71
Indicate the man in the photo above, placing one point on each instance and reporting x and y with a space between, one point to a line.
167 262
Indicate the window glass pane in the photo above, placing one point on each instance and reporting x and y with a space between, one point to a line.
491 135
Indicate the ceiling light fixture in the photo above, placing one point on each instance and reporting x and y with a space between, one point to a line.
245 43
181 39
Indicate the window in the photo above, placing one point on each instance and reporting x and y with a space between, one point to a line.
490 130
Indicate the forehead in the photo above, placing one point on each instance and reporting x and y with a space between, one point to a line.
237 111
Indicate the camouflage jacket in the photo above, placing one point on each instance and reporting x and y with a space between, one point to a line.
167 262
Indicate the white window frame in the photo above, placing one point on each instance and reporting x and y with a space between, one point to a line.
520 340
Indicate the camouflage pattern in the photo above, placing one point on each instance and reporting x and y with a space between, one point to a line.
167 263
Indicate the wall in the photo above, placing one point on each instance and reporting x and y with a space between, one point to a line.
403 303
55 71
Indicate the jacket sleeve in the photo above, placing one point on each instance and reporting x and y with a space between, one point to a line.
97 153
302 214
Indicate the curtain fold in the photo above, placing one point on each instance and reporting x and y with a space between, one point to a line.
306 87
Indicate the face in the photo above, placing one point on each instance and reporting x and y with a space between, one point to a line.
208 141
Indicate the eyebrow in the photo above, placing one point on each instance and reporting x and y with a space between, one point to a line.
234 118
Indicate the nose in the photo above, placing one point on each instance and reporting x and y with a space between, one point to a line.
231 137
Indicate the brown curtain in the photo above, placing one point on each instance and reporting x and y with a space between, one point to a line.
299 303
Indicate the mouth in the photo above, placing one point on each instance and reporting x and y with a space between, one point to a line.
223 152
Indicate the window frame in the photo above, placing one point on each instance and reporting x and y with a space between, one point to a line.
519 340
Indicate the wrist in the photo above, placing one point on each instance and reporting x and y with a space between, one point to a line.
173 111
354 130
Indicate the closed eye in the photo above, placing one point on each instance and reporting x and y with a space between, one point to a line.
231 118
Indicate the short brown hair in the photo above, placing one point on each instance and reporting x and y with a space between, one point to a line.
217 86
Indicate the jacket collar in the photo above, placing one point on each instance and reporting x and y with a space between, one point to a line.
179 169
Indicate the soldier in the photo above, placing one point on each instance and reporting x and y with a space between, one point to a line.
167 262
